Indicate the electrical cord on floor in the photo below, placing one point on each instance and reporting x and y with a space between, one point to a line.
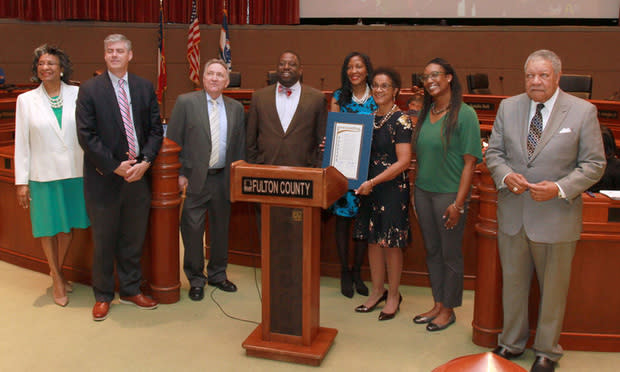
260 296
234 317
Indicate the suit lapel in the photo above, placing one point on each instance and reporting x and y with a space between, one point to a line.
109 95
522 117
271 100
229 123
293 123
560 109
134 89
201 101
48 112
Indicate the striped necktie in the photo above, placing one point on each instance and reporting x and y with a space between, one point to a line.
536 128
123 104
214 123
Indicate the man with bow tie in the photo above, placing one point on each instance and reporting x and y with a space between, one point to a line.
286 121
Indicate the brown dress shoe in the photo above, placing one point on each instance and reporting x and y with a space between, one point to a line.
140 301
100 310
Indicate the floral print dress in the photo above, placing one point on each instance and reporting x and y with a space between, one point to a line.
385 211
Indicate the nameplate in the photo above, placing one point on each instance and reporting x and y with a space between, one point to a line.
608 114
482 106
277 187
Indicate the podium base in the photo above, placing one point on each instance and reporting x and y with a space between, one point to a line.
312 355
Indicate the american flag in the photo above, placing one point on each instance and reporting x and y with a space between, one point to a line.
225 41
162 76
193 46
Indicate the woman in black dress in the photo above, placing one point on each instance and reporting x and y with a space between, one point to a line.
385 201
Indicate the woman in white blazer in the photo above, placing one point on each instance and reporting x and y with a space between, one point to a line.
48 161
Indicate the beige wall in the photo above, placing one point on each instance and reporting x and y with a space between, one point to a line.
499 51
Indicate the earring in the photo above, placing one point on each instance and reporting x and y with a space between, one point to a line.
62 74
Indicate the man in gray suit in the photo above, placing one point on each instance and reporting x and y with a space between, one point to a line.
545 150
210 128
286 121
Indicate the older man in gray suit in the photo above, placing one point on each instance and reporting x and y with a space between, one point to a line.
210 129
545 150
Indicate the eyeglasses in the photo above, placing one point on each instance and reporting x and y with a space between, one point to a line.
433 76
380 86
46 63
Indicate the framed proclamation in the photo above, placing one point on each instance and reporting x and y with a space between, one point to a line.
347 145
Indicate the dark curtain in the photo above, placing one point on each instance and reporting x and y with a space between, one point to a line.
276 12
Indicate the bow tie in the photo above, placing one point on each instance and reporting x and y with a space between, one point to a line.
283 89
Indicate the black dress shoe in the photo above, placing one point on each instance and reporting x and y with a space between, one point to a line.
505 353
543 364
225 285
364 309
196 293
432 327
388 316
419 319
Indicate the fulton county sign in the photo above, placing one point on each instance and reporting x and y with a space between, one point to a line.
277 187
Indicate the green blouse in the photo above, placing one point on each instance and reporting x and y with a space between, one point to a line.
440 170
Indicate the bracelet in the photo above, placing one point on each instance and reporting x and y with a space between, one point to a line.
372 183
460 210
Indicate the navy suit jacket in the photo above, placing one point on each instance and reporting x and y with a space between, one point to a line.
101 132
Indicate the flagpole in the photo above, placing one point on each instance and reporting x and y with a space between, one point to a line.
163 94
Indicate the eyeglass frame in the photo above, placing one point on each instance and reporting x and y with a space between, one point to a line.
374 86
433 76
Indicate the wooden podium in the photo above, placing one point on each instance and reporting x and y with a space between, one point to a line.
291 199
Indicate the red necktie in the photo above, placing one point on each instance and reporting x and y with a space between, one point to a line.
123 104
283 89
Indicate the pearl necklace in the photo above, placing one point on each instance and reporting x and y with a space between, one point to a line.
361 101
385 118
55 102
440 111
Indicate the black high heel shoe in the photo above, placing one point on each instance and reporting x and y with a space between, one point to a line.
365 309
388 316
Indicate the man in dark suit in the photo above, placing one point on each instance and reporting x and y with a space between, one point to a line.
120 131
210 128
286 121
545 150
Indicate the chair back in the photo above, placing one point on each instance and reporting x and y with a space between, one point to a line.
577 85
416 80
235 79
272 77
478 83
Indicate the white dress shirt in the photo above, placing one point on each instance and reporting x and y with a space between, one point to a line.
221 163
287 105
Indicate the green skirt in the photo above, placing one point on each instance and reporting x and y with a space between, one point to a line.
57 206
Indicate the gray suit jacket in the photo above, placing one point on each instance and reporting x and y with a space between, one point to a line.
570 153
189 128
267 143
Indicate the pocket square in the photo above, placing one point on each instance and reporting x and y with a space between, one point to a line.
565 130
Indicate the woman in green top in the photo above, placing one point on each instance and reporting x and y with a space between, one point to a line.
447 143
48 161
